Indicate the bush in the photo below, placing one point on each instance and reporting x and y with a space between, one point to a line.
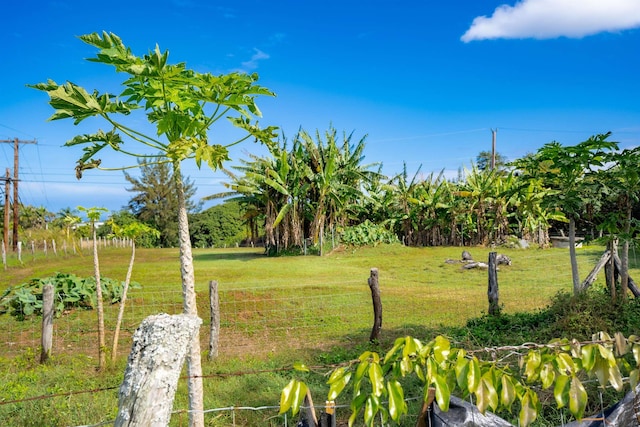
367 234
70 292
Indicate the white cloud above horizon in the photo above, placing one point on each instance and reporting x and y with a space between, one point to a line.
252 64
546 19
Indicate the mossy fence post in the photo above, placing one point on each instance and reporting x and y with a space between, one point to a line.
377 305
47 321
492 292
214 332
159 350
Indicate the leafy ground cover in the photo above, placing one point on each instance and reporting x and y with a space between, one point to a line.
276 311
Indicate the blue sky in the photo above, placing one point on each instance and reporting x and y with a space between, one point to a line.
426 82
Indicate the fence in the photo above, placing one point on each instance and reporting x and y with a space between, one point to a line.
267 316
32 249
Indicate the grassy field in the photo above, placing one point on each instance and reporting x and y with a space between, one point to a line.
274 311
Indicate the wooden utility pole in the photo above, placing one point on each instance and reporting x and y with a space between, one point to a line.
493 148
16 145
5 228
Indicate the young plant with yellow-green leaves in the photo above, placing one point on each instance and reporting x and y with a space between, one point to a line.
377 389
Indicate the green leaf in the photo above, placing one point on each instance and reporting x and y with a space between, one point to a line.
532 363
337 382
441 349
285 397
634 378
299 366
528 410
507 391
615 378
561 390
491 393
397 405
588 357
565 364
299 392
443 394
396 346
473 376
377 379
577 398
371 408
462 372
547 375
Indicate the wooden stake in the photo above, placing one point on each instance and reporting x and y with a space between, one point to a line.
377 305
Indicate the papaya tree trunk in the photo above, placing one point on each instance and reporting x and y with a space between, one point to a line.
194 364
572 254
125 289
624 256
102 358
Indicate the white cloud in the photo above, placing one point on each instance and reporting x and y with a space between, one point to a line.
545 19
252 64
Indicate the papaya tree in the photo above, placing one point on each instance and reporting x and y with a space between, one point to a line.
569 171
182 105
131 231
93 215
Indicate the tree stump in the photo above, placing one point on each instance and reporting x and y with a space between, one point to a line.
159 349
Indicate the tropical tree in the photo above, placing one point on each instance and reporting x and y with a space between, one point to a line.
480 187
183 105
483 160
220 224
316 184
156 199
623 182
93 215
403 198
569 170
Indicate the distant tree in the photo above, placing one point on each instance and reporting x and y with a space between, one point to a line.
156 200
34 217
218 225
483 160
121 220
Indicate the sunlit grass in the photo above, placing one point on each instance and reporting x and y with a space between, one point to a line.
274 311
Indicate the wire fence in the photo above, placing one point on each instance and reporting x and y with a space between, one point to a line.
266 316
269 316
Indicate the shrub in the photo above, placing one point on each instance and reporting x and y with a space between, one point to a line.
367 234
70 292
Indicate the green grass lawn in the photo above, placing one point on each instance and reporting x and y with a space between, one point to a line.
274 311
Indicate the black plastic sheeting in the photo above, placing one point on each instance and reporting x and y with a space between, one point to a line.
625 413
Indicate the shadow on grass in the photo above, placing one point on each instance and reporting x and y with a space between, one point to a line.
228 256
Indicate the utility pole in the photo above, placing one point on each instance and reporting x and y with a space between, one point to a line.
16 146
493 147
5 228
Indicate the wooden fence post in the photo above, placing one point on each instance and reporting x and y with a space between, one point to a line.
492 292
20 252
328 417
159 349
214 333
47 321
377 305
4 256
